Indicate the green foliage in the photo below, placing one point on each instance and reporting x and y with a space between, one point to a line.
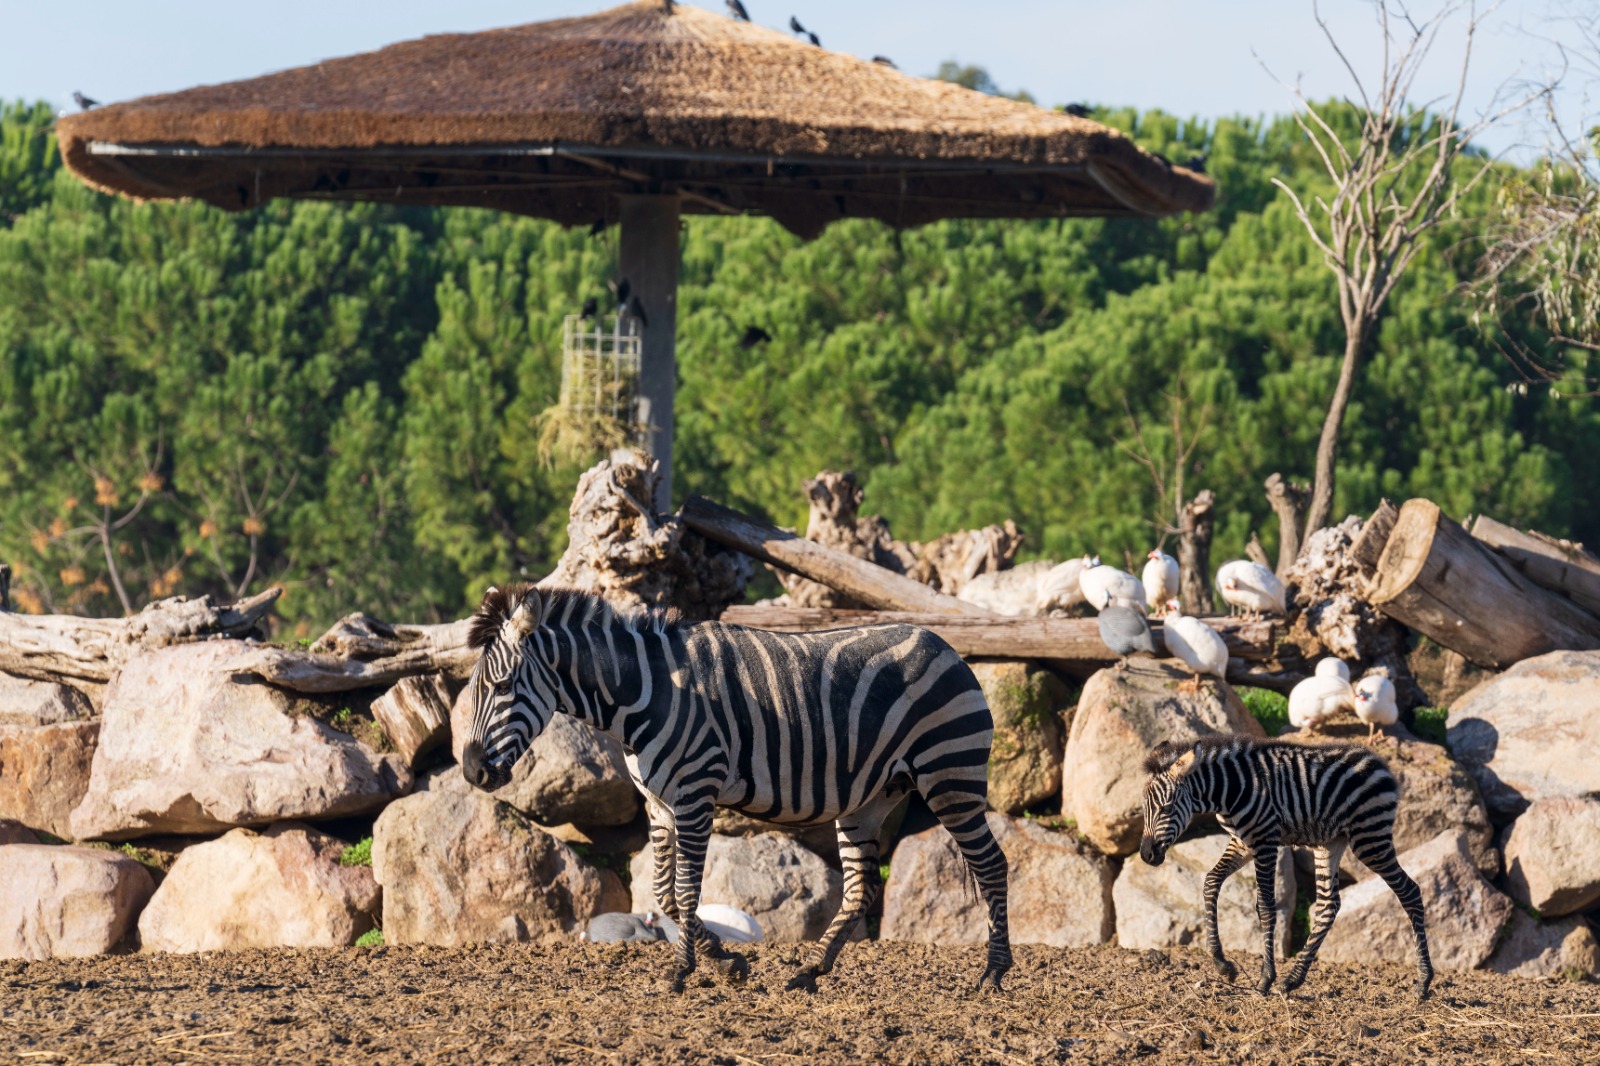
346 399
372 938
1269 708
357 854
1429 723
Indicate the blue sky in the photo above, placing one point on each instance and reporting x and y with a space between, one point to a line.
1190 58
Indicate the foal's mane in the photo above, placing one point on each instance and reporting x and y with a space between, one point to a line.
558 603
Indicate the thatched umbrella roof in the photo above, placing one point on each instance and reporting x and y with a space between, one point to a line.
556 118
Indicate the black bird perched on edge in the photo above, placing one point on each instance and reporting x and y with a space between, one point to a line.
591 307
885 61
1127 632
1079 110
794 25
83 102
623 288
1197 163
753 335
736 9
636 309
814 39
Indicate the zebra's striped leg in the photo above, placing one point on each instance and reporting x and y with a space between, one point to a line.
1323 912
1231 860
1267 910
664 844
693 831
959 805
1379 857
858 853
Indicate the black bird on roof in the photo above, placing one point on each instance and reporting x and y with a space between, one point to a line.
814 39
1079 110
636 309
885 61
794 25
1197 163
83 102
591 307
753 335
736 9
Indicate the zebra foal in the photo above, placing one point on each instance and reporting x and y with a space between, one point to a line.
800 729
1268 795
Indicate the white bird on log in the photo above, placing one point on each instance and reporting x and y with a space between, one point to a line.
1106 586
1375 703
1160 579
1318 698
1251 587
1060 589
1332 667
1196 645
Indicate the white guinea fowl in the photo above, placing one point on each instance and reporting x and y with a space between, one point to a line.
1195 644
1375 703
1060 589
1160 579
1105 586
1318 698
1250 587
1331 667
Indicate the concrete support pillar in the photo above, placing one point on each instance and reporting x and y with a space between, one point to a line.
649 257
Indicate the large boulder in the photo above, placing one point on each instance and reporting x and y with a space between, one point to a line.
44 773
1564 948
1465 913
571 773
1059 891
785 887
281 888
1532 732
1163 906
458 866
1025 760
25 702
187 748
1553 856
67 900
1121 715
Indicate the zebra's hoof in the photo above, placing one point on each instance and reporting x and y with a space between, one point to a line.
804 981
1228 970
990 981
1292 982
734 966
1422 987
1264 986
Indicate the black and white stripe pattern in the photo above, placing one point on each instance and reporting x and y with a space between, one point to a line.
798 729
1269 795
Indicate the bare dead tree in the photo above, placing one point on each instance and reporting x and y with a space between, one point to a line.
1288 501
106 520
1394 182
1195 522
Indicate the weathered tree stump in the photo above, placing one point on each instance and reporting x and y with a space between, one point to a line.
415 715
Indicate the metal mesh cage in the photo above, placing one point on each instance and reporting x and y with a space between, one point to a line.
599 404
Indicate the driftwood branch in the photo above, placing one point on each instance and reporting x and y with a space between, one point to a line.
60 647
319 672
857 578
1288 501
993 636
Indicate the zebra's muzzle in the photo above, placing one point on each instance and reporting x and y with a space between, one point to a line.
1151 851
476 769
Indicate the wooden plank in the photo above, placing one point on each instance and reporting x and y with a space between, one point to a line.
1549 563
1438 579
866 582
993 636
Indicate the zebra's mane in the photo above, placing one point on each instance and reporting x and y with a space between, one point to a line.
1168 752
560 603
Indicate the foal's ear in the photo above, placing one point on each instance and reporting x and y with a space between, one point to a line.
529 613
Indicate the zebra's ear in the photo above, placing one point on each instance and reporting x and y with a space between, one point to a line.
529 613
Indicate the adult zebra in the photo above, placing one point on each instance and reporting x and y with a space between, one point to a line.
798 729
1267 794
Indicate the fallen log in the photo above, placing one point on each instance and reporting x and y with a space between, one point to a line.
994 636
1369 545
361 636
319 672
64 647
1559 566
1438 579
863 581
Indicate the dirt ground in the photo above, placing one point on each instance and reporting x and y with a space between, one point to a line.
895 1003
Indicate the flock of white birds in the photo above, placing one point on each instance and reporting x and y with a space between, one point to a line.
1248 588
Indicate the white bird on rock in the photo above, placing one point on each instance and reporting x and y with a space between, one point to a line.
1106 586
1196 644
1375 703
1331 667
1160 579
1317 698
1251 587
